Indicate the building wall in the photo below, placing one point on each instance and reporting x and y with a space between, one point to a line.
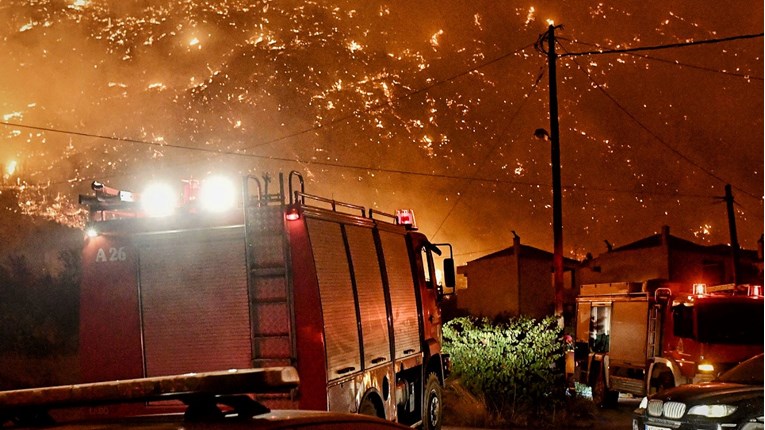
626 266
537 298
492 287
671 260
700 268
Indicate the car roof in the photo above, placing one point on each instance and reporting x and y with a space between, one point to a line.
273 420
748 372
214 400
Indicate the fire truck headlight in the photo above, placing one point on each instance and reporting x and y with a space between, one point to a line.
706 367
158 200
217 194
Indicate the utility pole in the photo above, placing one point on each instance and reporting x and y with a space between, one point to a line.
552 57
733 234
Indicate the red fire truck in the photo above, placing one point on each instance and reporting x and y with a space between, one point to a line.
640 338
346 296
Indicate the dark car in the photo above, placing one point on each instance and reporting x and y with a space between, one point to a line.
733 401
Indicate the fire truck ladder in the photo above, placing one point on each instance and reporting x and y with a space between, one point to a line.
654 323
269 283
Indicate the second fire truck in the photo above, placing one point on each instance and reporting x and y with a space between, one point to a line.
346 296
640 338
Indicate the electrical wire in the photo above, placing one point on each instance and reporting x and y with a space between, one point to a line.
661 47
388 103
480 179
680 63
653 134
409 95
480 164
329 124
692 66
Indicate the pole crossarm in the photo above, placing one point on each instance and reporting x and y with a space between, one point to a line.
545 37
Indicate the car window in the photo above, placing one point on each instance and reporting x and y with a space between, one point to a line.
749 372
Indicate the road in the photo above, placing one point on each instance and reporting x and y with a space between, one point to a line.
616 419
619 418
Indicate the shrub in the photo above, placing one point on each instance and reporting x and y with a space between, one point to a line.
516 365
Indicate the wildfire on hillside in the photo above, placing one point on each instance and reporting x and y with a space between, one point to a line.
431 105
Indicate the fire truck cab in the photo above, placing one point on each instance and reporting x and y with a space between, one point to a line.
346 296
641 338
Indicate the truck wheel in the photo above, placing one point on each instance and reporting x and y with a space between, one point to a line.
661 380
602 396
368 407
432 409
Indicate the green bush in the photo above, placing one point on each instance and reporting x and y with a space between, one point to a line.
516 365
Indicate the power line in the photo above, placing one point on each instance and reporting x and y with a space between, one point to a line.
356 113
481 179
654 134
381 105
682 64
706 69
388 103
480 164
631 116
399 171
659 47
117 138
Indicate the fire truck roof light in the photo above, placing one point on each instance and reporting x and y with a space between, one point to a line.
217 194
755 290
293 215
158 200
699 289
406 217
127 196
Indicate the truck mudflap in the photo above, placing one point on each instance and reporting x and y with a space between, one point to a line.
197 390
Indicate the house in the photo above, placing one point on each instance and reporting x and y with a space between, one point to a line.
518 280
514 281
663 258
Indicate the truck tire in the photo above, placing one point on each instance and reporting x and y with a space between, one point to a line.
432 408
369 407
601 396
661 380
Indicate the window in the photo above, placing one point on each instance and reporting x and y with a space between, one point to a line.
427 261
682 321
730 321
600 328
